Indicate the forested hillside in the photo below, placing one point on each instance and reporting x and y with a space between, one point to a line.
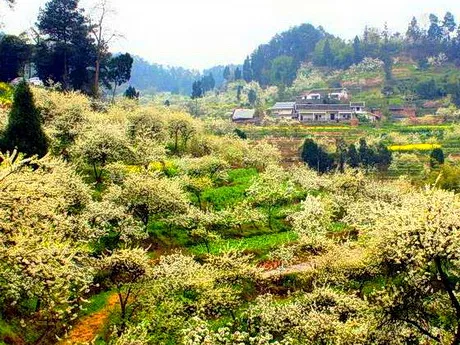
277 62
151 78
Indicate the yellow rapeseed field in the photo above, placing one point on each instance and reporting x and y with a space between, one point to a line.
414 147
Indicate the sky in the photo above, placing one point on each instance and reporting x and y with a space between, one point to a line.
204 33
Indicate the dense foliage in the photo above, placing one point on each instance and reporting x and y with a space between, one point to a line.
132 222
202 237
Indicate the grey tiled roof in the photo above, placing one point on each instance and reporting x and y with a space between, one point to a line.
283 105
243 114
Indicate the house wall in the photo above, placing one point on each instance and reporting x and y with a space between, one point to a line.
313 96
338 95
321 117
283 113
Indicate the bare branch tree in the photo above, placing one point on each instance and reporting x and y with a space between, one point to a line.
102 34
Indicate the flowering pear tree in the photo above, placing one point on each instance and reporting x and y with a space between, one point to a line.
148 195
415 243
270 189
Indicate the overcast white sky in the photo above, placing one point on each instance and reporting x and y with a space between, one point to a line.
203 33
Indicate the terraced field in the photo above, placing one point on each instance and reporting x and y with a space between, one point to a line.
289 140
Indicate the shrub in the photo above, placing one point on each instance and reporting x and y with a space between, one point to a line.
24 130
436 157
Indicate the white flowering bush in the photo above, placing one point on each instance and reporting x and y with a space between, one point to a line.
367 65
438 61
313 222
145 195
271 188
44 253
262 154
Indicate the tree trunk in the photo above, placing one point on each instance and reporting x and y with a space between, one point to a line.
66 74
114 91
96 74
270 218
176 142
97 177
198 195
449 286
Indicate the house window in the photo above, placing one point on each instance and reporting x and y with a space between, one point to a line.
332 116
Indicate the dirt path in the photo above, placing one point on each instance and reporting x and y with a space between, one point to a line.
87 329
282 271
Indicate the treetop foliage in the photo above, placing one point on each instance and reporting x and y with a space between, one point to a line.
24 129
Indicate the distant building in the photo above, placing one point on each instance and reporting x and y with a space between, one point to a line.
320 95
307 112
284 110
244 115
358 107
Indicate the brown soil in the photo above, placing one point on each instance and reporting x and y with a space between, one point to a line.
282 271
87 329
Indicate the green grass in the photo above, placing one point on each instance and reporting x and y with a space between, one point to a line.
6 330
241 176
96 303
231 193
256 244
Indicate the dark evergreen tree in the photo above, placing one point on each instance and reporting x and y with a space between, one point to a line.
353 157
118 72
328 56
237 74
241 134
252 97
357 51
24 129
212 81
167 103
383 157
455 46
227 73
247 70
341 154
208 83
454 90
197 92
386 55
14 54
436 158
132 93
366 154
239 89
67 53
414 33
448 25
435 31
315 157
